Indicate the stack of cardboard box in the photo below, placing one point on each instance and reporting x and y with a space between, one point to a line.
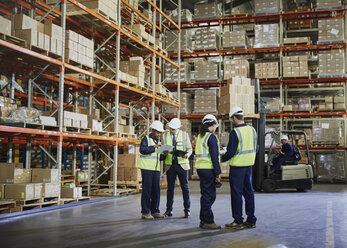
79 49
328 4
205 71
266 35
72 119
274 106
206 39
171 73
339 103
331 30
206 10
239 92
234 39
205 102
171 44
127 167
266 6
327 105
266 70
330 167
7 105
55 33
186 15
134 3
332 63
5 26
236 68
134 67
302 21
140 31
299 104
185 107
326 132
295 66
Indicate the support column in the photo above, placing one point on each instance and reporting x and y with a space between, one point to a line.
179 61
153 61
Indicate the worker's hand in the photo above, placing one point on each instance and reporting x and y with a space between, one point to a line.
282 152
157 145
166 153
184 156
218 179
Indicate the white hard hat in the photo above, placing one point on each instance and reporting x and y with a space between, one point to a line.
284 137
209 118
157 125
175 123
236 111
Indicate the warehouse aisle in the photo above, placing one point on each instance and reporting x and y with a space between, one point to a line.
287 219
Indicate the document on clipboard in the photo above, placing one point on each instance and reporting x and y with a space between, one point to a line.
164 148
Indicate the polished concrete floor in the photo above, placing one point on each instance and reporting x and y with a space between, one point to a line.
317 218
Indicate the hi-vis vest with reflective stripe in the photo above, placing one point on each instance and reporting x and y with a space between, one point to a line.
202 152
180 145
247 147
149 161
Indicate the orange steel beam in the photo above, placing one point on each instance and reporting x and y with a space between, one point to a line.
163 14
342 114
29 131
111 24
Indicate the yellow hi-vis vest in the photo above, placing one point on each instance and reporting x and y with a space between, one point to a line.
180 145
149 161
247 147
202 152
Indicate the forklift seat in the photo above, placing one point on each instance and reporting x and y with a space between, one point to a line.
296 157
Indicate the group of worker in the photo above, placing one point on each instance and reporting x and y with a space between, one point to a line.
241 152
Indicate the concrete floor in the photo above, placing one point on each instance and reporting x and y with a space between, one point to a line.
317 218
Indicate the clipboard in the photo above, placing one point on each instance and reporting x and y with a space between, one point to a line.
164 148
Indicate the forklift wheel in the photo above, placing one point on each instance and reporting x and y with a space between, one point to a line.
269 185
301 190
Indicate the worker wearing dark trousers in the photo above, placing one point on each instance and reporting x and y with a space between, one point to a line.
177 165
208 168
149 163
241 151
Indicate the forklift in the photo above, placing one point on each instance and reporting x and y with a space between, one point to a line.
294 175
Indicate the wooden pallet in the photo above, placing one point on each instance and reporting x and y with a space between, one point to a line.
77 130
49 199
301 26
12 39
71 200
127 135
234 47
5 206
65 178
36 205
306 43
38 49
100 133
109 192
29 202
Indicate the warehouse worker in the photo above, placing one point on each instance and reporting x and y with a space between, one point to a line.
208 168
178 163
149 163
286 154
241 151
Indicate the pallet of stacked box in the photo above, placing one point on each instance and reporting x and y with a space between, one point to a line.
234 39
329 4
236 68
206 39
186 15
327 133
205 71
205 102
171 73
206 10
331 64
330 167
331 31
339 103
265 7
295 67
266 70
266 35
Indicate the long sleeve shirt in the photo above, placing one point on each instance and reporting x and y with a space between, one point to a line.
145 149
214 153
288 150
232 144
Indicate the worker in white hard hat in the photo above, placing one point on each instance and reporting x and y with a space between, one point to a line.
241 152
286 154
208 168
149 163
177 164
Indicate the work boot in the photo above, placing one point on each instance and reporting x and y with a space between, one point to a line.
147 217
210 226
168 213
186 214
234 225
158 215
249 225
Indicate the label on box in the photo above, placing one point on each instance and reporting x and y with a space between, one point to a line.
46 180
334 31
9 180
325 125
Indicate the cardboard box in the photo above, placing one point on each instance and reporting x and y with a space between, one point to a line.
50 189
29 35
5 26
52 30
128 160
81 176
132 174
74 193
20 191
131 148
21 22
129 129
2 191
37 190
10 174
45 175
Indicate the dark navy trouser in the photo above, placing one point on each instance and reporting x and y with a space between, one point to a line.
150 197
174 171
278 161
240 179
208 195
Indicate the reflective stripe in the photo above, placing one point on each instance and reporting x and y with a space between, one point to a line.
165 138
184 140
241 141
148 157
203 155
204 150
246 152
254 139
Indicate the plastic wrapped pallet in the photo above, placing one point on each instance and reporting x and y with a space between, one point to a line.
270 137
234 39
295 66
206 39
332 63
329 4
330 167
171 44
236 68
331 30
205 71
206 10
266 6
300 104
186 15
266 35
326 132
274 106
185 107
7 106
171 73
205 102
105 7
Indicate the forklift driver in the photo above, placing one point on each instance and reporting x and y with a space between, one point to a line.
286 154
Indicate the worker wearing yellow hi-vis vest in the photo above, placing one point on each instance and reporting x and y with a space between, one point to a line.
177 164
208 168
149 163
241 152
